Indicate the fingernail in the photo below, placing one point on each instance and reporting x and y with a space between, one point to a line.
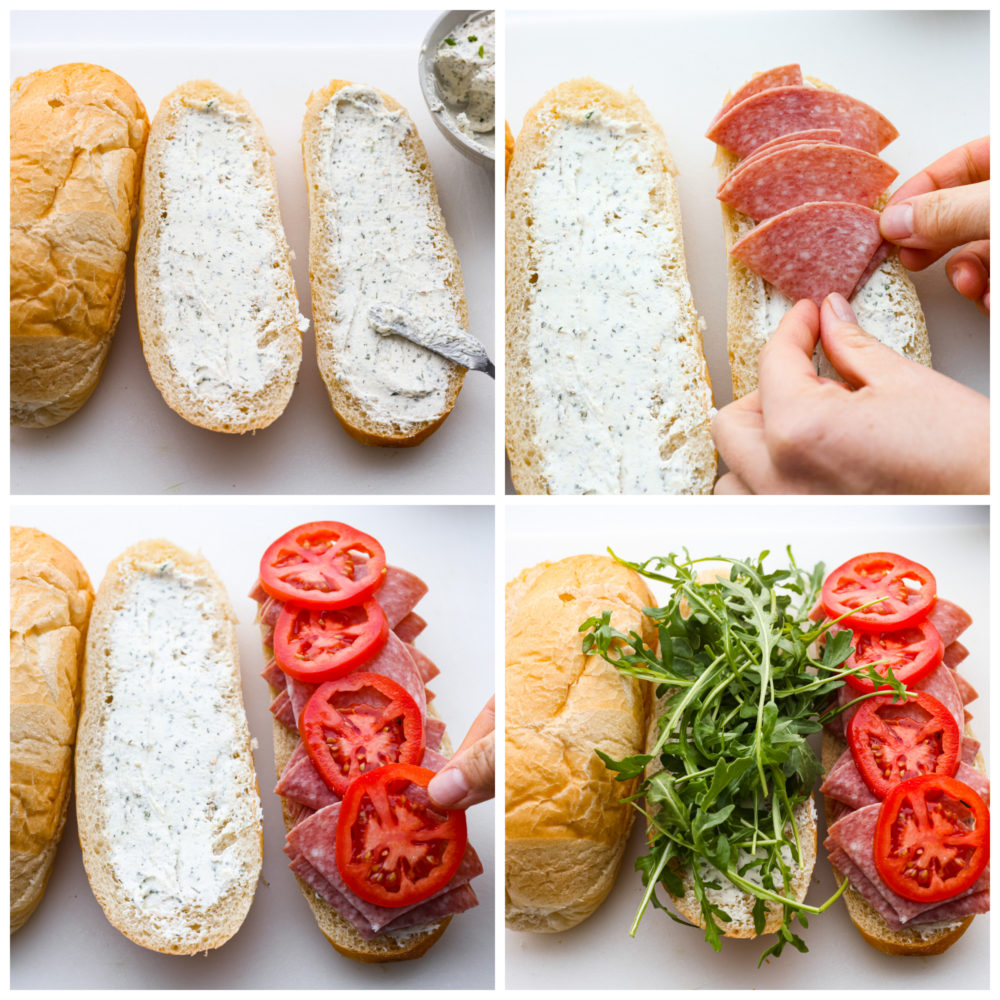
842 308
448 787
956 279
897 222
986 301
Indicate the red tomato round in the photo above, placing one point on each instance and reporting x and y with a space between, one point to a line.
317 645
913 652
906 591
394 847
891 743
932 838
359 723
324 564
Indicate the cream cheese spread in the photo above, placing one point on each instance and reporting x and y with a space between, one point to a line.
386 247
224 291
431 332
177 797
621 396
465 67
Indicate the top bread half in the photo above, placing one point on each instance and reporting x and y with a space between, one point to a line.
77 139
216 300
608 390
377 235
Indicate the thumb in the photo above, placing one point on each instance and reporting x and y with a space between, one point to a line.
858 358
940 219
469 777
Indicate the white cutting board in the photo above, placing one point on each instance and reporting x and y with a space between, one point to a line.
682 64
68 942
953 542
126 439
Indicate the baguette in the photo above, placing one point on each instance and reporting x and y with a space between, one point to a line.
77 139
608 390
887 306
376 233
870 924
168 806
218 315
508 148
566 824
50 602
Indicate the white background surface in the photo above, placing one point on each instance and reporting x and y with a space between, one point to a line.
953 542
926 71
68 943
126 439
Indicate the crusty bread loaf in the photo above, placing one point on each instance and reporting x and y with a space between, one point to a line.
77 137
508 147
608 390
168 806
215 295
869 922
385 390
887 308
566 826
50 602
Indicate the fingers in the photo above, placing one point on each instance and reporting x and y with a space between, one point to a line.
969 164
731 485
938 221
968 270
785 365
738 433
484 723
469 777
857 357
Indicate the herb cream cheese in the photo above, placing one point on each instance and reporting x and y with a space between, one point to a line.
466 71
224 291
178 797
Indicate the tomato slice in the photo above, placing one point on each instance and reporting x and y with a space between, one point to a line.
932 838
317 645
913 652
891 743
324 564
357 724
907 591
394 846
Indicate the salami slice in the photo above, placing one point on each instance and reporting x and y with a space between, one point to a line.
793 138
812 250
862 884
881 253
949 619
940 683
781 143
845 784
399 594
954 654
281 709
780 76
965 689
790 176
410 627
302 783
274 676
781 110
426 666
970 748
434 733
394 661
956 909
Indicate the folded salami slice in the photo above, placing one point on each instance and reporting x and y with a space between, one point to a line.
410 627
426 666
281 709
780 76
812 250
434 733
862 884
272 673
970 748
794 138
781 110
299 692
399 594
881 253
965 689
393 660
954 654
790 176
949 619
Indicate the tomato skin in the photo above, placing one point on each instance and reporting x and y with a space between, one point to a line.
878 574
901 739
312 566
915 650
367 737
387 826
927 814
317 645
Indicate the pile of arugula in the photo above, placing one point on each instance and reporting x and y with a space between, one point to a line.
744 695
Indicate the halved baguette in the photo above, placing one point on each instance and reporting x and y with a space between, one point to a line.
608 390
218 315
168 806
50 602
77 138
376 234
870 924
887 307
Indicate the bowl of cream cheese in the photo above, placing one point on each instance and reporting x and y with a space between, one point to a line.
458 81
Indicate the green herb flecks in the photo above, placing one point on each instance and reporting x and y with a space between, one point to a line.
480 52
450 41
743 689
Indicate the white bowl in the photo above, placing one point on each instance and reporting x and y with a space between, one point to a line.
481 151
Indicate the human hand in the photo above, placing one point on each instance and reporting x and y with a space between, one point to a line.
903 429
470 775
943 207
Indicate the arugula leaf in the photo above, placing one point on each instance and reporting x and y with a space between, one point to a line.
628 768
